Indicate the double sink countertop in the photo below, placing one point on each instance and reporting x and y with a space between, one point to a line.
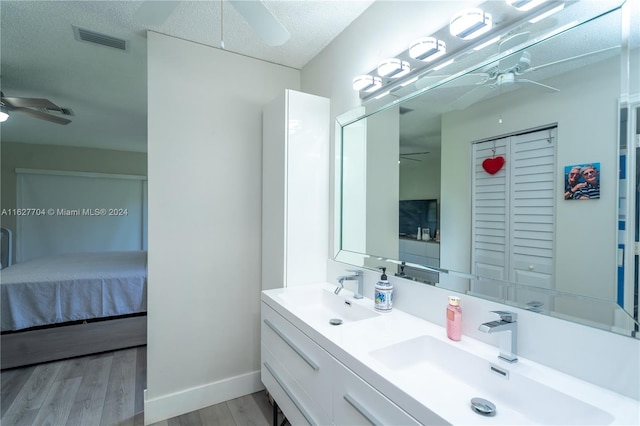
413 363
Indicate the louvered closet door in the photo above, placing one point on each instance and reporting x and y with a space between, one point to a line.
532 208
490 217
513 217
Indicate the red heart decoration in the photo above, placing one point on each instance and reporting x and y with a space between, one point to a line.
492 165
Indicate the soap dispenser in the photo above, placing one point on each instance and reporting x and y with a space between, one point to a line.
454 319
384 293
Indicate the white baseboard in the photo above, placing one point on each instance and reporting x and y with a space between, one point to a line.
192 399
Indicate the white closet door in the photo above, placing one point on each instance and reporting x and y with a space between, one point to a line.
532 208
490 217
514 216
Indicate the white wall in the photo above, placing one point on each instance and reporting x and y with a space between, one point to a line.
600 357
205 185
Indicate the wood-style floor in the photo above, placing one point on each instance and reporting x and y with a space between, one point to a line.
106 389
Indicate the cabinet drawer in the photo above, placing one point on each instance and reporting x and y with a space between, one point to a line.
298 407
415 247
355 402
306 362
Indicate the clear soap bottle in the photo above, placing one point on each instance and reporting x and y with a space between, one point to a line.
454 319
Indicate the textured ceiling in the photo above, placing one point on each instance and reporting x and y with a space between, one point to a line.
106 88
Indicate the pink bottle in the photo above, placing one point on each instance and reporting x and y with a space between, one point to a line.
454 319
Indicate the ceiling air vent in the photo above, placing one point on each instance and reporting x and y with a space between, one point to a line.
102 39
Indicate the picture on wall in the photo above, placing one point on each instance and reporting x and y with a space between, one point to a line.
582 181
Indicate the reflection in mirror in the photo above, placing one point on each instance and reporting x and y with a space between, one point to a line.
493 147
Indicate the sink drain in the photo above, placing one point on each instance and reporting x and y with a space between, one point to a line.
335 321
483 407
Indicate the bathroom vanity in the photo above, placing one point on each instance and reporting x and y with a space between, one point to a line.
394 368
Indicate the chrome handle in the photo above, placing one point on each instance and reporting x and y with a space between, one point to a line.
291 396
292 345
363 411
506 316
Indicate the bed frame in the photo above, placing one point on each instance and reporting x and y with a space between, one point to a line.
66 340
43 344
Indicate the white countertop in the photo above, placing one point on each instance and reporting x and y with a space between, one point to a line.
420 391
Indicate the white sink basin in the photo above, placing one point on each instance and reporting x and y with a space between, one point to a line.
319 306
465 376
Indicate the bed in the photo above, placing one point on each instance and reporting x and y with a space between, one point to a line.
68 305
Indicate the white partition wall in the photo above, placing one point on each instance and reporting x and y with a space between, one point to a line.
205 186
295 190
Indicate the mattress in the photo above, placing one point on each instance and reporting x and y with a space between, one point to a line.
72 287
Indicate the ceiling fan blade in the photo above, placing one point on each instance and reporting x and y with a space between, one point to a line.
540 85
573 58
154 13
263 22
402 157
472 79
42 115
511 61
29 103
471 97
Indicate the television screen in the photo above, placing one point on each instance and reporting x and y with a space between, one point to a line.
414 213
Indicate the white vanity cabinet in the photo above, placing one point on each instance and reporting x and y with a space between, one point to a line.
312 387
295 370
355 402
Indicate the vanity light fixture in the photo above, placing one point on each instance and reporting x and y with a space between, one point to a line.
410 81
383 94
427 49
547 14
487 43
470 23
442 65
367 83
393 68
524 5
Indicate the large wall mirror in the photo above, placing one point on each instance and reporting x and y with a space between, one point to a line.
481 152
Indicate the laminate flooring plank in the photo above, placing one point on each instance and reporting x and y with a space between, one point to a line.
218 414
20 418
162 423
245 412
35 390
12 381
73 367
120 399
262 400
141 385
189 419
57 405
89 400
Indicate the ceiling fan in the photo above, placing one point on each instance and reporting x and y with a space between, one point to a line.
263 22
501 74
35 107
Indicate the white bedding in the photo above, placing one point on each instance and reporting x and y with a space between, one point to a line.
71 287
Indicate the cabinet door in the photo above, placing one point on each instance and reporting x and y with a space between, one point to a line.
304 361
298 407
355 402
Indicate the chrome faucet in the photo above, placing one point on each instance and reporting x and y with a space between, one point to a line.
508 340
358 275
